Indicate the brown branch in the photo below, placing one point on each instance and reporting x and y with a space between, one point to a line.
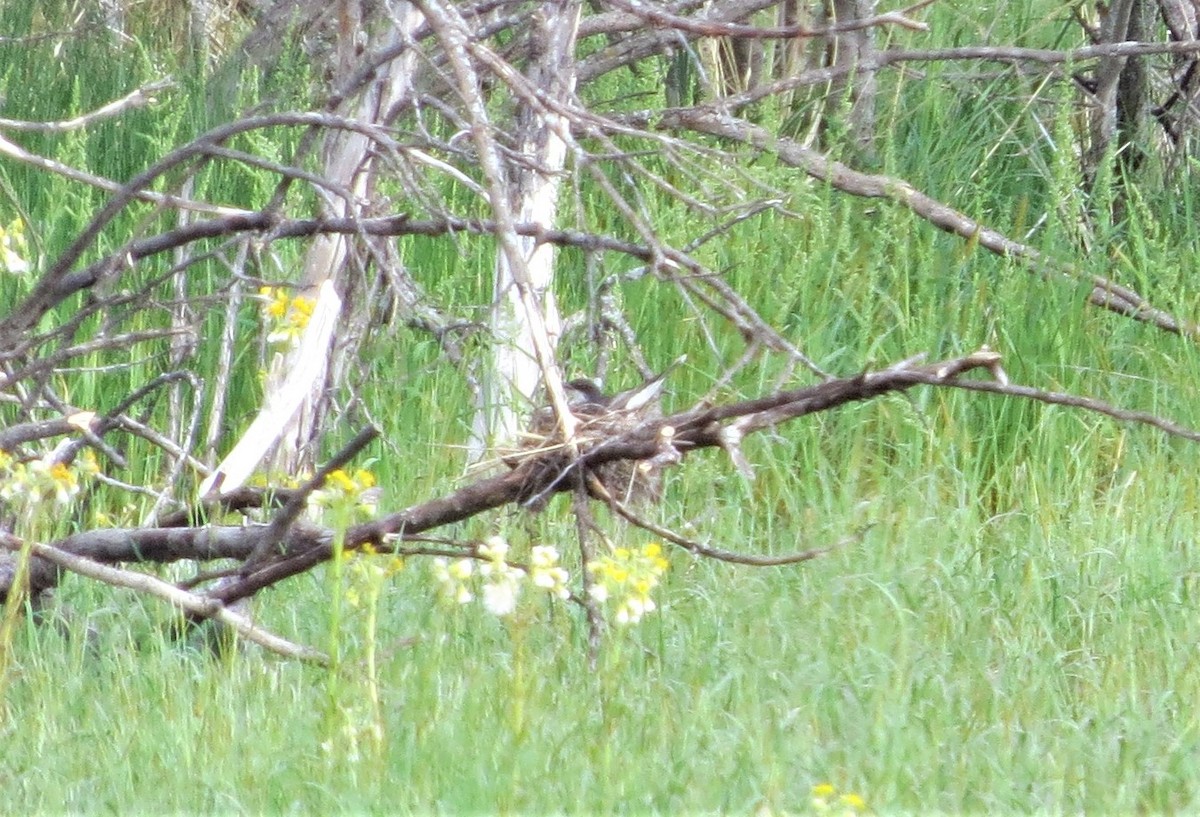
552 470
690 430
1105 293
298 501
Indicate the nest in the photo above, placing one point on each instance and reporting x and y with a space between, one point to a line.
629 481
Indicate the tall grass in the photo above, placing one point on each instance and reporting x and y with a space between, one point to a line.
1013 632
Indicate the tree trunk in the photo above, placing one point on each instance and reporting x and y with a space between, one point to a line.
348 166
1118 82
851 99
510 386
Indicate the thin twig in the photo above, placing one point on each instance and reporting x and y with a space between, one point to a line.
298 501
624 511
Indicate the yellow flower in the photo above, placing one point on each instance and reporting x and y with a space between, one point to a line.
286 317
628 577
276 302
354 494
341 482
853 802
303 307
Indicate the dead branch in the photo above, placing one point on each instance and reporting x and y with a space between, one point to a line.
139 98
58 283
190 603
1105 292
290 512
700 549
701 427
705 28
17 153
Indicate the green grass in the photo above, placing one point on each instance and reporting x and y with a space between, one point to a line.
1014 632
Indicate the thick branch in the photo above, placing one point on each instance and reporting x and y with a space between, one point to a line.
548 471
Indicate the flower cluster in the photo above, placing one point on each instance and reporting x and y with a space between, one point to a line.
347 494
14 249
626 577
285 316
501 581
454 580
546 572
496 581
45 480
368 573
826 800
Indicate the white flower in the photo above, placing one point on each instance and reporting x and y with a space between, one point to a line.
11 262
543 556
500 597
546 572
453 578
633 608
13 248
495 550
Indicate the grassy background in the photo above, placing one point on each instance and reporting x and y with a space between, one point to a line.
1015 633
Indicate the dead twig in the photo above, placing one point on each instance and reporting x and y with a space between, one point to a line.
625 512
194 605
139 98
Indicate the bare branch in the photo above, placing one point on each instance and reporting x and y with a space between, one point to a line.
1105 293
190 603
699 549
140 98
298 500
556 470
709 28
19 154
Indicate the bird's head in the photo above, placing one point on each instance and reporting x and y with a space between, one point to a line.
583 392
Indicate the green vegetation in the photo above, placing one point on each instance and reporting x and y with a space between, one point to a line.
1015 632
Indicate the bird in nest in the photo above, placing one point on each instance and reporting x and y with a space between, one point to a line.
603 416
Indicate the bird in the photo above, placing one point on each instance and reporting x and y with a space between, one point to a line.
584 393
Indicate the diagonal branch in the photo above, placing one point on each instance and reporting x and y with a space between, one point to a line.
188 602
698 548
555 470
1105 293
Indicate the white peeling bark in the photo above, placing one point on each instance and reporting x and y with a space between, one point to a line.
348 165
510 386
